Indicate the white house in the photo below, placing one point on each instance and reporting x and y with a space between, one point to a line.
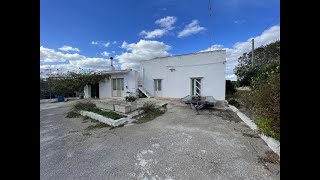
177 76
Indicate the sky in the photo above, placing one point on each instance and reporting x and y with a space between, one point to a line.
84 34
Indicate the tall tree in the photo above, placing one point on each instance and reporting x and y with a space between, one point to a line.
263 55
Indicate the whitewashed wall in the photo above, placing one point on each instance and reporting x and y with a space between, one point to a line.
105 91
176 84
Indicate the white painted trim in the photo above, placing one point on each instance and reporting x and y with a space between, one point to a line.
272 143
106 120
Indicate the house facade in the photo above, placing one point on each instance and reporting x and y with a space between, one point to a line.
200 73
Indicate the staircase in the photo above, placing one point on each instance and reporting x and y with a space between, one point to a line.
145 92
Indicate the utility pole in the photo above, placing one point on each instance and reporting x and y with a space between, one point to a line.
252 52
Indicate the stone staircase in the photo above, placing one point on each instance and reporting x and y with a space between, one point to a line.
145 92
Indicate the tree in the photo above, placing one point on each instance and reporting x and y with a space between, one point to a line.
73 82
245 70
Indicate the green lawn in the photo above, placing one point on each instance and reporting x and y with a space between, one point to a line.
107 114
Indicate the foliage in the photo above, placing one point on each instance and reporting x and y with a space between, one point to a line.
83 106
63 83
230 88
150 112
89 106
245 70
130 98
44 88
108 114
96 126
72 114
234 103
265 99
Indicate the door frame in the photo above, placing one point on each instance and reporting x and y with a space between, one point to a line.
118 90
201 85
156 85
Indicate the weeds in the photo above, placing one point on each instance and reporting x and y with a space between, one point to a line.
150 112
72 114
97 126
270 157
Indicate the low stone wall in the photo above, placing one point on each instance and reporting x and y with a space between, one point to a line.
48 100
122 107
272 143
106 120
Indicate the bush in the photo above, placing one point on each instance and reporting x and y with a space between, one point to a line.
150 112
230 88
130 98
149 107
83 106
265 98
234 103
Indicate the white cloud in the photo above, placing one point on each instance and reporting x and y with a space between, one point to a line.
106 44
114 42
72 62
167 22
153 34
94 42
50 55
69 48
142 50
266 37
105 53
192 28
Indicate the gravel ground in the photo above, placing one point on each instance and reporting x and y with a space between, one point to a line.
177 145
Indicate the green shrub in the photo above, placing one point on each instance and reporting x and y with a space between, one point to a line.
130 98
266 126
150 112
265 99
83 106
234 103
230 88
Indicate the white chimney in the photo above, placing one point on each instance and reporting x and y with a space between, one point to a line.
111 65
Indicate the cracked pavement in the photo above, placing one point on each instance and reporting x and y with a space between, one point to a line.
177 145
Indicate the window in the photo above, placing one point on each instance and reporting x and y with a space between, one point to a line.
157 85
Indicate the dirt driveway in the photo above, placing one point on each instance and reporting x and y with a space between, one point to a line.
177 145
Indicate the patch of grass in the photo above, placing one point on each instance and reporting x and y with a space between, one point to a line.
265 126
150 112
97 126
270 157
86 134
72 114
79 106
250 135
108 114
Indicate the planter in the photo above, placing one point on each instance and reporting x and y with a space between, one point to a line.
122 108
106 120
133 105
105 105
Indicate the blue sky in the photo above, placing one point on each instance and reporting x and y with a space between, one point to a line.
85 33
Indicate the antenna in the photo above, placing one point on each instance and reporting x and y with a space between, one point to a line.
210 25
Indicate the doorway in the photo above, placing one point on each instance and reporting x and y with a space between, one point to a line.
95 91
196 86
157 87
117 87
